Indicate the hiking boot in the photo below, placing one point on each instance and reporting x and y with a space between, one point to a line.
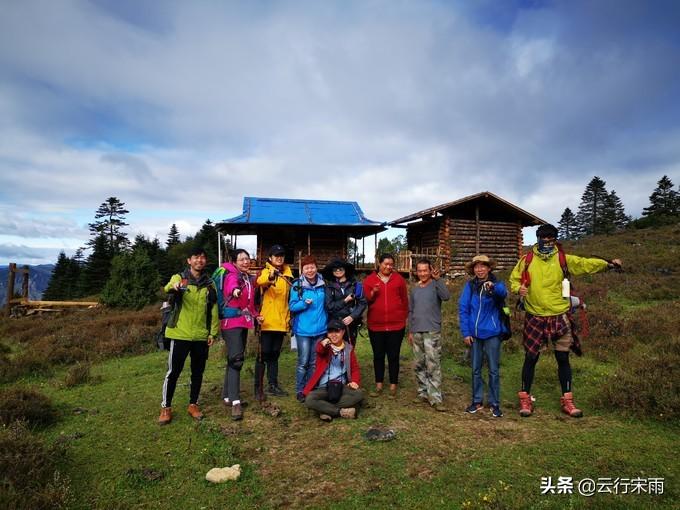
526 404
166 416
276 391
568 407
227 403
421 399
496 411
473 408
236 412
348 412
440 407
300 397
325 417
195 412
376 393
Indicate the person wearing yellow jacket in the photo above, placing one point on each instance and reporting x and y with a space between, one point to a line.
192 329
541 279
274 282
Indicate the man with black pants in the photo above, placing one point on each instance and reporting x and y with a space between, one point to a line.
274 282
192 329
541 278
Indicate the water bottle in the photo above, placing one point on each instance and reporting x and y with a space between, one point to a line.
566 289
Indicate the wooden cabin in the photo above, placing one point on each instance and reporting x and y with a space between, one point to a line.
451 234
320 227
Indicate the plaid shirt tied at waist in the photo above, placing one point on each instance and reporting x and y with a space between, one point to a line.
538 331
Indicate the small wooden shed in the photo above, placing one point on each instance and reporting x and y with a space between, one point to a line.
451 234
320 227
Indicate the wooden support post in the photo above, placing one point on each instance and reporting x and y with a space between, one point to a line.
10 287
363 250
375 248
24 284
477 226
309 243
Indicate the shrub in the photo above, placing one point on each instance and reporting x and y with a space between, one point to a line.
28 471
646 383
22 404
134 281
29 362
79 374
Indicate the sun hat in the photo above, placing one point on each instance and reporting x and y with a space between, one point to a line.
479 259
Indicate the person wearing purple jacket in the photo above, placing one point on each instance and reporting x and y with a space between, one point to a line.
239 292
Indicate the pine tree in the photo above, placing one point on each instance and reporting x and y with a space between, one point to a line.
207 239
567 225
616 218
592 212
173 237
664 200
97 267
109 221
134 281
55 288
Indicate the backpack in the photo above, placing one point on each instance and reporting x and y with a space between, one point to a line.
525 278
225 311
162 342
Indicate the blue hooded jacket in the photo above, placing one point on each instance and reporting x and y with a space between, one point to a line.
312 319
479 312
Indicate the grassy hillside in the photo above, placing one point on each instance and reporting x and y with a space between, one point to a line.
103 378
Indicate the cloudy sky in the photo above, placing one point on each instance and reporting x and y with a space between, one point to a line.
182 108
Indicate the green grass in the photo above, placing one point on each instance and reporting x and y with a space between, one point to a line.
119 457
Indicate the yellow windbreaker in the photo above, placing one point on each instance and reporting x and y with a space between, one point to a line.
275 299
545 291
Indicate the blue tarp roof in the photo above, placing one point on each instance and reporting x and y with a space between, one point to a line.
286 211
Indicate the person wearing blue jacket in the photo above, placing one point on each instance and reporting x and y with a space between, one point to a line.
479 309
308 320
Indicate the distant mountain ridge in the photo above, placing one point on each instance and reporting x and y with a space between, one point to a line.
39 278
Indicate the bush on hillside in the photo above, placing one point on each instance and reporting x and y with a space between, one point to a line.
134 281
28 471
646 382
22 404
76 337
80 374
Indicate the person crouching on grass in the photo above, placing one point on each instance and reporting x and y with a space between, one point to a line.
333 391
192 329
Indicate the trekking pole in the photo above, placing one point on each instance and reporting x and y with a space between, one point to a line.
260 387
617 267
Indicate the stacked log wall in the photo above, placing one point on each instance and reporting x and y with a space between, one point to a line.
502 241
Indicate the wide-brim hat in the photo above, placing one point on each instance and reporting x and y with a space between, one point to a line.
479 259
327 272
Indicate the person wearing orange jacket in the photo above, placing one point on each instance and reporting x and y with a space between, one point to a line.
387 298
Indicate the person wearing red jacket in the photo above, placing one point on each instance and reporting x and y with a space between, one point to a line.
333 390
387 298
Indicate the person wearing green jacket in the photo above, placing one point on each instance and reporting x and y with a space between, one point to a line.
192 329
541 278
